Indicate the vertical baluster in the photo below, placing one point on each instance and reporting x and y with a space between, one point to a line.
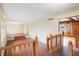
32 48
10 52
60 39
19 48
28 48
70 49
25 49
2 52
7 52
34 53
56 40
22 49
35 47
62 33
76 40
14 50
51 37
47 44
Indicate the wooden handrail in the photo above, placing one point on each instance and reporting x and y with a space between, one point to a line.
24 43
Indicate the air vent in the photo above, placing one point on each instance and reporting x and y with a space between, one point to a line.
50 19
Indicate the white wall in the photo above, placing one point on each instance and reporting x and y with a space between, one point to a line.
43 29
14 28
1 10
25 28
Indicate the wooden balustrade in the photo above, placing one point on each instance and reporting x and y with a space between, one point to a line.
70 49
58 41
21 48
52 45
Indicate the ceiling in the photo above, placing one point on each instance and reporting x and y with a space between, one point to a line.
30 12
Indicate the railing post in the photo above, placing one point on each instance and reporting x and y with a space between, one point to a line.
70 49
63 33
62 39
56 40
35 47
47 44
76 41
51 37
2 52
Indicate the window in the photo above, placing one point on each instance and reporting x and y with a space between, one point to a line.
61 27
68 27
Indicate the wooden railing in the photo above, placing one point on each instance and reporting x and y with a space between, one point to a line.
54 45
70 49
21 48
